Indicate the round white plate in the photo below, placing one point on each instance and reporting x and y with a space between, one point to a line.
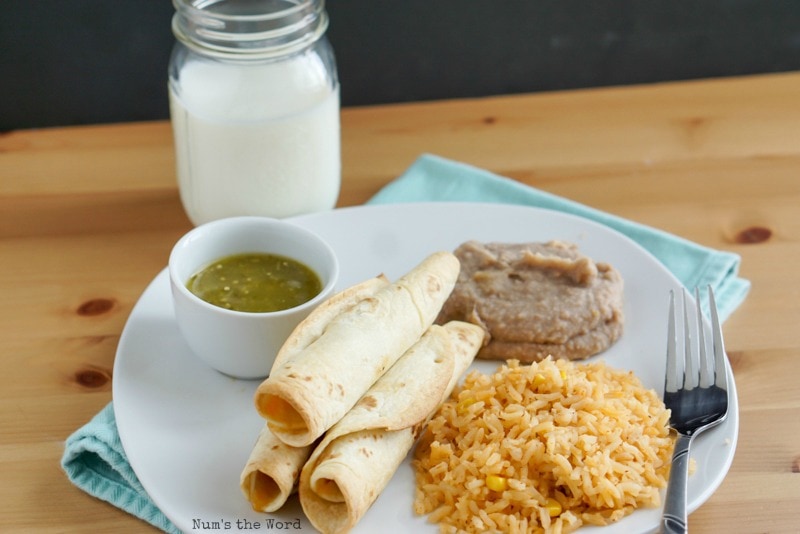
188 430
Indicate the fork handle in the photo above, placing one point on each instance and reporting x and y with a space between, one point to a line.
673 520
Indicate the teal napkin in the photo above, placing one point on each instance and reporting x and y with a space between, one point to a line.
432 178
95 461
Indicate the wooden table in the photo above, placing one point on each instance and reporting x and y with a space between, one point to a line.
88 216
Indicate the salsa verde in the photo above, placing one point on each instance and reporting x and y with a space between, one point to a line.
256 282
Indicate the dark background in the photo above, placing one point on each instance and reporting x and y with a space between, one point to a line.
97 61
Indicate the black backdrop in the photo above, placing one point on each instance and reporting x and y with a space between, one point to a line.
65 62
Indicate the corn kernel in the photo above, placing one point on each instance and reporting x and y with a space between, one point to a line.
563 374
538 380
464 404
496 483
553 507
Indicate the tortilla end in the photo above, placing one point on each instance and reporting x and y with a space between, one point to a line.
263 492
280 413
328 489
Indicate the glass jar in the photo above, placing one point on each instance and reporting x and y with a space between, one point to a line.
254 101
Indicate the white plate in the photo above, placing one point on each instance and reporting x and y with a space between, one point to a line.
188 430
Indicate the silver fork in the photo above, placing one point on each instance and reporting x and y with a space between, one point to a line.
696 392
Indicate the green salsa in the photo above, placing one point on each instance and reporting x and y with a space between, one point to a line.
255 282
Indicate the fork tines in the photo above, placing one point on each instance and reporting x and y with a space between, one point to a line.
700 365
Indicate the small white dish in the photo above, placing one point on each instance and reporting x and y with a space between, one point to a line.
235 343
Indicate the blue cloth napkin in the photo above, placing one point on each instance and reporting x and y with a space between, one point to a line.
432 178
95 461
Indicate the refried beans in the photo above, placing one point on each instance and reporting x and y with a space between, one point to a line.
536 300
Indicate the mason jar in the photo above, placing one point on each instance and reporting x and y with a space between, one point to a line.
254 103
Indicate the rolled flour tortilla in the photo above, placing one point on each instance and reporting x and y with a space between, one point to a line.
271 473
359 455
313 387
313 326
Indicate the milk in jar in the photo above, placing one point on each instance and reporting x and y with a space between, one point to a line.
257 130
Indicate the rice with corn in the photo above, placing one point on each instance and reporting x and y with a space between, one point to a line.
545 447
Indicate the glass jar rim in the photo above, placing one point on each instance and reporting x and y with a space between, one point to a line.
287 27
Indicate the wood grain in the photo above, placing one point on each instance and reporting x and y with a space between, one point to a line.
88 216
